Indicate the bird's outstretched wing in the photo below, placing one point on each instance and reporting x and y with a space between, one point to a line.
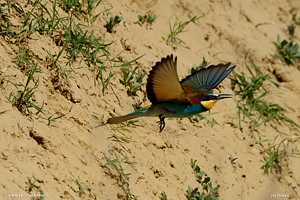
203 81
163 83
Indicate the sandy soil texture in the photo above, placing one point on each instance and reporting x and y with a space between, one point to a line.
69 158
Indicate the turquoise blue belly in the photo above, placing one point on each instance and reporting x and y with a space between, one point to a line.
182 110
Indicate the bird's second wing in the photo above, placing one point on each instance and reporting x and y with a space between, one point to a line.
163 83
205 80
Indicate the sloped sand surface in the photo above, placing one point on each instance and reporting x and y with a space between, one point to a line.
72 145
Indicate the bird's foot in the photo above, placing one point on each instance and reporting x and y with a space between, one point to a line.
162 123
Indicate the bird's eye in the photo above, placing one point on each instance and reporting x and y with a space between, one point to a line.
212 97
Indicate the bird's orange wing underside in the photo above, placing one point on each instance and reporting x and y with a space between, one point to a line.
163 83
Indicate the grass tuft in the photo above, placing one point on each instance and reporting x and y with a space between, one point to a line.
116 138
116 163
147 18
207 190
178 27
39 192
252 104
163 196
84 8
208 116
129 123
24 60
287 52
76 181
277 152
81 43
22 99
128 76
113 21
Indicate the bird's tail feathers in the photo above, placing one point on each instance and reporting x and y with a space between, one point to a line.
117 120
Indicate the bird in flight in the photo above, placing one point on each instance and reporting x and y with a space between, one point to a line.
172 98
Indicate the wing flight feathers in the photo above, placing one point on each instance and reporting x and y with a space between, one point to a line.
206 79
163 83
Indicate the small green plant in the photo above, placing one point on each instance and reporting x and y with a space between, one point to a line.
76 181
66 74
116 163
147 18
286 51
5 29
296 20
207 190
163 196
46 22
100 70
24 60
113 21
206 38
79 42
2 112
4 20
128 76
22 99
252 104
40 193
232 160
85 8
116 138
31 184
101 119
177 28
91 5
38 19
125 46
210 120
248 86
129 123
273 160
53 119
71 5
276 152
202 65
291 30
3 12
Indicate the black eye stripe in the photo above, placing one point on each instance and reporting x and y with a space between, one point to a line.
209 97
213 97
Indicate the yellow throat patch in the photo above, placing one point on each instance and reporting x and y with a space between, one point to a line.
209 104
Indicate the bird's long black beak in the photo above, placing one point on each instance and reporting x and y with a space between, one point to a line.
224 96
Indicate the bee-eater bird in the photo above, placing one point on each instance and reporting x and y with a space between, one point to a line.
173 99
